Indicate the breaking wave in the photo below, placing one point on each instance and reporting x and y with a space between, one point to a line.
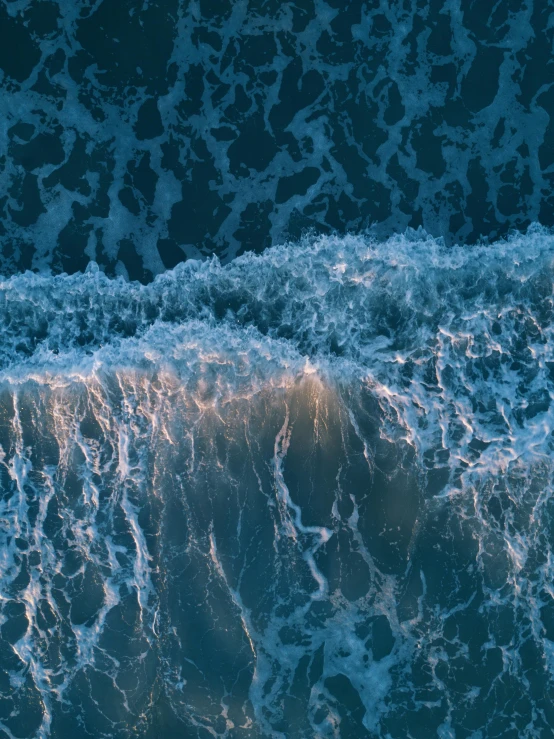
307 493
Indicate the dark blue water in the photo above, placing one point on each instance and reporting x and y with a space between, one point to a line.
276 370
142 134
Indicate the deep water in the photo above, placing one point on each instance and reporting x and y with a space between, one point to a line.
305 494
140 133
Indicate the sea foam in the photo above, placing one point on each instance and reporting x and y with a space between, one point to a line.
305 493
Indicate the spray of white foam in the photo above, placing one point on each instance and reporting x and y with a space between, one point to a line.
122 400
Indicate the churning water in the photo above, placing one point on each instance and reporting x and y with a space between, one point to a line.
299 495
305 494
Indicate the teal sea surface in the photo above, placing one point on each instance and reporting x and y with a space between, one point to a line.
276 369
307 493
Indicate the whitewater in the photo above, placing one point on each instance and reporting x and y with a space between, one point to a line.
307 493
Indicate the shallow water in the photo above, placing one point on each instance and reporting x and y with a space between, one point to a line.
304 494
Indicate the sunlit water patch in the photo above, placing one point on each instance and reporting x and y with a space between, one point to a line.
307 494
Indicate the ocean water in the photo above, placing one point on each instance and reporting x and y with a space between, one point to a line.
276 369
304 494
140 133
